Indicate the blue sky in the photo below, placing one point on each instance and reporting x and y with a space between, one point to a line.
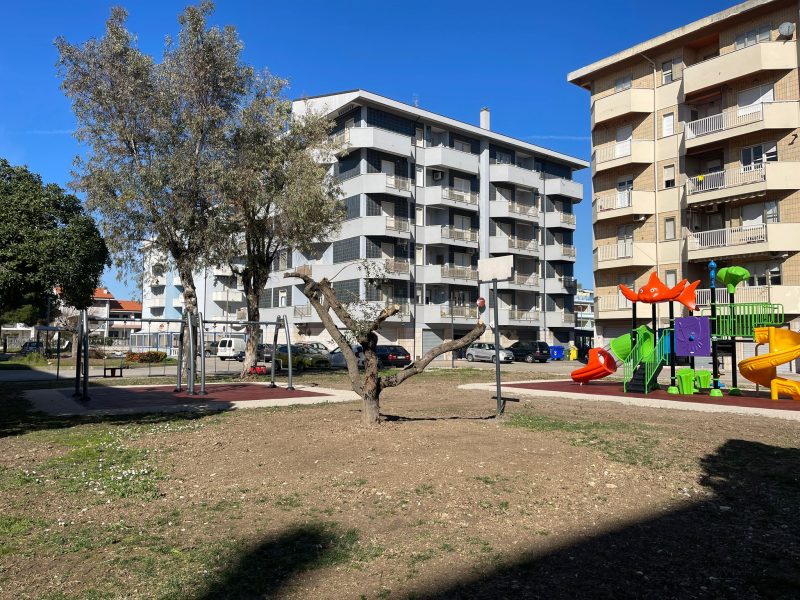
458 56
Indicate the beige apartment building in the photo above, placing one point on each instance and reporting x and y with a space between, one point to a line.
696 156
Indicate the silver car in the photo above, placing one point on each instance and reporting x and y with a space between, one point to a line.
484 351
337 357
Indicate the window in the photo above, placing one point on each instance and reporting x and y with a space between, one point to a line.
755 156
750 101
504 159
282 298
623 83
754 36
668 124
418 294
461 187
764 273
350 124
771 212
671 278
669 229
462 146
669 176
670 70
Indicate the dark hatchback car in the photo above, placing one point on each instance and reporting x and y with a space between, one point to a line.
530 351
393 356
263 354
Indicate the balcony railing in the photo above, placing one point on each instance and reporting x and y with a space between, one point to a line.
304 270
568 218
302 311
614 201
455 272
614 151
453 233
568 281
403 305
615 302
747 295
526 279
523 315
398 181
522 243
733 236
397 266
157 280
615 251
726 179
459 196
523 209
397 223
725 120
463 312
568 317
568 250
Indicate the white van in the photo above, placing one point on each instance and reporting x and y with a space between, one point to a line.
229 348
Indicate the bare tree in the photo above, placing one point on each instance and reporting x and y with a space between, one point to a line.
361 323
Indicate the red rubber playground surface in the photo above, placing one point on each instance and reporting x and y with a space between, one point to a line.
748 398
147 396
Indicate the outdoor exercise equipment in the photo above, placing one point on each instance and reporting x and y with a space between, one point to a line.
191 325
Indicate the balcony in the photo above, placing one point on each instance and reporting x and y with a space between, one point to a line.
372 137
623 204
176 281
222 272
442 195
459 312
380 225
303 311
513 210
742 121
445 234
178 302
559 220
501 244
157 302
625 254
398 267
568 251
561 284
530 315
376 183
558 186
228 297
765 56
614 306
632 100
743 181
449 158
559 318
748 239
508 173
157 280
622 154
446 274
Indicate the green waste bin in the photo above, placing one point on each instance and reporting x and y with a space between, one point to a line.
703 379
685 381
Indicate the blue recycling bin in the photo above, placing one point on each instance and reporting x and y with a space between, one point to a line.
557 352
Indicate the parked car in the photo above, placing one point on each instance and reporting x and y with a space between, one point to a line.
530 351
210 349
318 346
302 358
484 351
229 348
31 347
394 356
337 357
263 354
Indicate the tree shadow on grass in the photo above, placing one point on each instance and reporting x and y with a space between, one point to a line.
742 542
404 419
264 571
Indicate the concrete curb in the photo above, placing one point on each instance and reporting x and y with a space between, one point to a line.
787 415
53 402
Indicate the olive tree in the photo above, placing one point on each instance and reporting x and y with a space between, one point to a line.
155 136
361 320
282 197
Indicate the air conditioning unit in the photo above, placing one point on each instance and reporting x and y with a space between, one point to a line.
438 175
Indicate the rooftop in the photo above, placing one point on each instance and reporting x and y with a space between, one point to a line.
671 37
339 100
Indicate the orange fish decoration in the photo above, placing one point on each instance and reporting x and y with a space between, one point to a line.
655 292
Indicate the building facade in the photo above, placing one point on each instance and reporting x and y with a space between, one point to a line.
427 196
695 156
584 309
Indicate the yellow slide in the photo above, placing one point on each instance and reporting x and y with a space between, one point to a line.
784 345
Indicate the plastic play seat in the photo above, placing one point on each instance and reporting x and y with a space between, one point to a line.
685 381
703 379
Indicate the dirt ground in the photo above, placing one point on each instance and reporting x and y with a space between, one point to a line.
557 499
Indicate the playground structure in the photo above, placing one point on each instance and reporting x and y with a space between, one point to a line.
191 328
645 351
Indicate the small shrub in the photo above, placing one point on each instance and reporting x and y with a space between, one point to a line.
146 357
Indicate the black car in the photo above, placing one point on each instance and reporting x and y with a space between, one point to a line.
393 356
530 351
263 354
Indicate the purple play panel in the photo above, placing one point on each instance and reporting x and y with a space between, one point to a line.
692 336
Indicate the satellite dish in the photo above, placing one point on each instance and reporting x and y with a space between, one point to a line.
786 29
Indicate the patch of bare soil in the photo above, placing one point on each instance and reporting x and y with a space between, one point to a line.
557 499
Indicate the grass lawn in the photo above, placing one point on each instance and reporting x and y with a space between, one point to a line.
558 499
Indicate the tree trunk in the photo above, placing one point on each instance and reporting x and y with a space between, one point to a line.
371 412
190 305
253 331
